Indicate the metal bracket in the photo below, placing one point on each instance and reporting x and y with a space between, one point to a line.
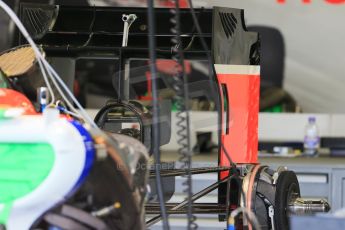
128 20
271 215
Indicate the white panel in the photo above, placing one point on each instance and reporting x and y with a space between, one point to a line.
338 125
310 178
237 69
272 127
290 127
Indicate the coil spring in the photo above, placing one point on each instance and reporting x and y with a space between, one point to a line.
182 115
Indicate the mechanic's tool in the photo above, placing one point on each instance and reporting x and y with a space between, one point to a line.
128 20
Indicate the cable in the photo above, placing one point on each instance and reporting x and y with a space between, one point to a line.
82 111
180 85
156 112
64 97
189 46
228 184
64 110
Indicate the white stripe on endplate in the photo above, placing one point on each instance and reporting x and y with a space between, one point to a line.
237 69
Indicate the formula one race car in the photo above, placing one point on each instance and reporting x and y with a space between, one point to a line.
59 169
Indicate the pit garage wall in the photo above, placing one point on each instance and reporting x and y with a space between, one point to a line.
315 38
272 127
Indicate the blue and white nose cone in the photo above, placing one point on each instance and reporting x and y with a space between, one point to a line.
43 160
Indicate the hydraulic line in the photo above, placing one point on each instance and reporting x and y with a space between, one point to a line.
155 119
